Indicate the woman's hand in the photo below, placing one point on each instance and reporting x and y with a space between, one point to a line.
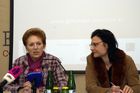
115 89
26 88
27 84
127 89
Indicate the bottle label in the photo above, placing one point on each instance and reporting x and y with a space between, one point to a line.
48 91
72 91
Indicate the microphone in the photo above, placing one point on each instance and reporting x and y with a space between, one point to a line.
35 77
11 76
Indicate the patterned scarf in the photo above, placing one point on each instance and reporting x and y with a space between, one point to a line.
35 66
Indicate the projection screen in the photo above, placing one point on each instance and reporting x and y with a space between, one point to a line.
69 23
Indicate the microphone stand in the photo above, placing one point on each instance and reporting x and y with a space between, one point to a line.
2 84
33 86
1 90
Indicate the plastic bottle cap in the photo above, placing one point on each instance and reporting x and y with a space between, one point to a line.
64 87
55 87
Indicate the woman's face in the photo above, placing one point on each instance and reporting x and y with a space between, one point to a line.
98 47
35 47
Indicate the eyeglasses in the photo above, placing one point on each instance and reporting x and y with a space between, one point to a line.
92 45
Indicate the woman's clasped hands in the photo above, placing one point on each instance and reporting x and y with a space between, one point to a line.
117 89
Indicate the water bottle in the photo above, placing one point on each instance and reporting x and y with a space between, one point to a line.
71 82
49 82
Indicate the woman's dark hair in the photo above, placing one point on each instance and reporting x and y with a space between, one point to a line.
107 37
116 57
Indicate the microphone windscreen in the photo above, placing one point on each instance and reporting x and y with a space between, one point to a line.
15 71
35 77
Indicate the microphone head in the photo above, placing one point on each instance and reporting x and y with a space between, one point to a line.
15 71
12 74
35 77
9 78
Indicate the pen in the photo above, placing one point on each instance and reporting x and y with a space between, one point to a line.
112 84
115 85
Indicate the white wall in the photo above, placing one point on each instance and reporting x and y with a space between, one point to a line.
69 23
